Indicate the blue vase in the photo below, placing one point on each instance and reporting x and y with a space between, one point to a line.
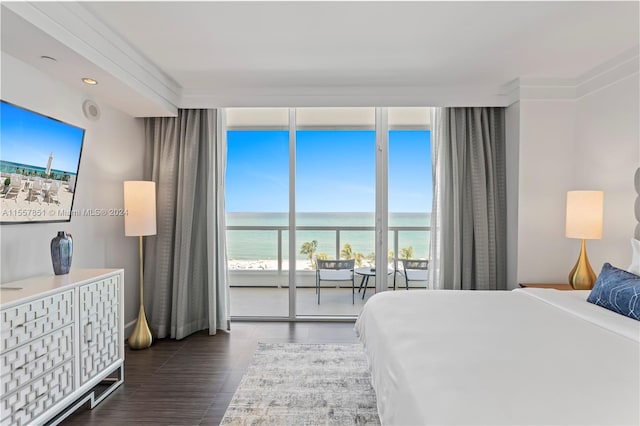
61 253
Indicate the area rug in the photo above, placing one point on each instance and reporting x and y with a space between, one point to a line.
305 384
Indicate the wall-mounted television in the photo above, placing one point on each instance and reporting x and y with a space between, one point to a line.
39 163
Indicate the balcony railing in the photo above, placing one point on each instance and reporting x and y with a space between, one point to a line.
338 230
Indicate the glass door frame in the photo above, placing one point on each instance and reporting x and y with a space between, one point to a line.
382 197
381 212
292 217
381 218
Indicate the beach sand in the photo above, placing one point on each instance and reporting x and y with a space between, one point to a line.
271 265
266 265
22 209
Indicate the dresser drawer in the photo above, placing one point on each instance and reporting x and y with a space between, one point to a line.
29 402
29 321
24 364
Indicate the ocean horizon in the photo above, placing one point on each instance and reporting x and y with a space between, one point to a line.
11 167
263 244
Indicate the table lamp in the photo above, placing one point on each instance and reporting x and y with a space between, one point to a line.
140 220
584 221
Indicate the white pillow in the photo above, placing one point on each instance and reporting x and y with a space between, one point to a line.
634 268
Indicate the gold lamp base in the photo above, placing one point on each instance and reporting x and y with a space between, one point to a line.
582 276
141 337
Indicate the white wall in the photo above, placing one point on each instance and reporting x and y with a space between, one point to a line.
545 175
112 152
588 143
607 152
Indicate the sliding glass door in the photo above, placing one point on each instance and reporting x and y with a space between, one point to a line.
257 203
335 203
349 183
410 188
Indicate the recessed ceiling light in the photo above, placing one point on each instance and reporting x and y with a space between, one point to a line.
90 81
48 58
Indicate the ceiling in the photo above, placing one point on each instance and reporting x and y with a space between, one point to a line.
201 54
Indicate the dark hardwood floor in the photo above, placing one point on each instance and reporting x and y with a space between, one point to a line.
191 381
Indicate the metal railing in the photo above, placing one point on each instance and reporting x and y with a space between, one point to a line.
337 229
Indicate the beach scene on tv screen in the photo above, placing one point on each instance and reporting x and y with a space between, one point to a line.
39 160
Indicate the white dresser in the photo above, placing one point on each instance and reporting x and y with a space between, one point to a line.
61 336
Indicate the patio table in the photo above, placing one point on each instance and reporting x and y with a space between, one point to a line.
366 273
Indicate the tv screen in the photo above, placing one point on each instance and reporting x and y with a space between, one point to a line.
39 162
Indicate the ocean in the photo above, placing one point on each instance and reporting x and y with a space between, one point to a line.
263 244
7 167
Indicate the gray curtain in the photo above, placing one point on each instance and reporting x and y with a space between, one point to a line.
185 263
468 222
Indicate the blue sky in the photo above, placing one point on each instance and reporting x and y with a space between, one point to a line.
28 138
335 171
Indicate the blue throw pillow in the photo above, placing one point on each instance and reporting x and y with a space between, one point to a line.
618 291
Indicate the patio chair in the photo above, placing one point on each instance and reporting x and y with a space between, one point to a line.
335 270
413 270
51 194
35 190
14 187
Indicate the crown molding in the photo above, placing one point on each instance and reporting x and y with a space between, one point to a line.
73 25
619 68
610 72
511 91
306 96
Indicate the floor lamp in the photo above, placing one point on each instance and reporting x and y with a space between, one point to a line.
140 220
584 221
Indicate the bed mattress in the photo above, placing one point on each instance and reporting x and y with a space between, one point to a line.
522 357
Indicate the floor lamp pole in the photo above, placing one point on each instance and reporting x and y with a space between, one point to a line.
141 336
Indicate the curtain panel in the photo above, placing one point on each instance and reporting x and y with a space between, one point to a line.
468 222
185 263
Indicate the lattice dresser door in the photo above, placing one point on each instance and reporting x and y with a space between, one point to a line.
99 334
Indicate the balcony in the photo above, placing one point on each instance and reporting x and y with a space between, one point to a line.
259 287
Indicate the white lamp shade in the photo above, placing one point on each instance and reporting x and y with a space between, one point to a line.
140 206
585 211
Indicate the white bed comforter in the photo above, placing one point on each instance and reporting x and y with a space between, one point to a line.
500 358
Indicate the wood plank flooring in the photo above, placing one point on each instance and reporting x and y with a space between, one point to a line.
192 381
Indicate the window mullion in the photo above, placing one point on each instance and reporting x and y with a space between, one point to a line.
382 197
292 214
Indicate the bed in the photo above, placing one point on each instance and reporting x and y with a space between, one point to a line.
527 356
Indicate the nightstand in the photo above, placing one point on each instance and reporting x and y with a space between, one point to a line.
548 285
